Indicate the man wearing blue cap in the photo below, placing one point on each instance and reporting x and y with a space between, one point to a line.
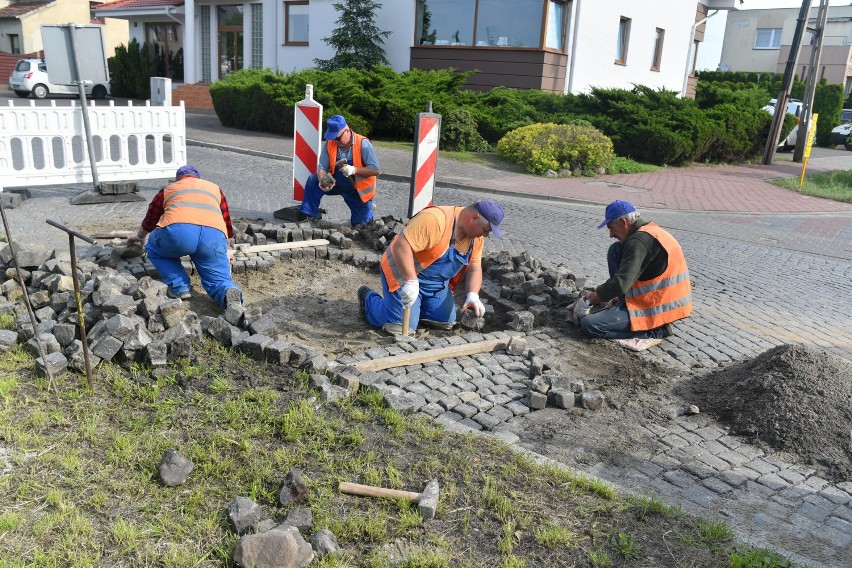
648 288
420 269
347 167
190 217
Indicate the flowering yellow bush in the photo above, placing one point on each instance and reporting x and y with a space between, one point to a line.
542 147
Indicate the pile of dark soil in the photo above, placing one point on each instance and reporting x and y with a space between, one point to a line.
791 398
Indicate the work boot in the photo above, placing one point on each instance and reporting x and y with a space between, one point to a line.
363 291
185 295
668 330
439 325
233 297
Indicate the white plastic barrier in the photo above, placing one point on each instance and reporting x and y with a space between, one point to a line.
46 145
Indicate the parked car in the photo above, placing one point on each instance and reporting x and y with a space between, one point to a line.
30 77
845 115
794 107
840 135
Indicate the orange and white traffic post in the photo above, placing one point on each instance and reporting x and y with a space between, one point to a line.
427 134
306 141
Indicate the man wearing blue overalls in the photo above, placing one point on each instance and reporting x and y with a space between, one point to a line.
421 268
350 160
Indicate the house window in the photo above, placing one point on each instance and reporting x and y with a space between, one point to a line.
15 43
296 23
658 49
555 38
622 41
508 24
767 38
533 24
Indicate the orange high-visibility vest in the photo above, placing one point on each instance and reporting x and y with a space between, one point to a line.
666 298
424 258
193 200
366 186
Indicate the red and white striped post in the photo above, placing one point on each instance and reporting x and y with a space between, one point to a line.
306 141
427 134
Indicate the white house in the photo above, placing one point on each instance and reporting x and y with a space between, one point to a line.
555 45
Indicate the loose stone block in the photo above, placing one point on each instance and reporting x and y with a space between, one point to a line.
278 352
592 400
560 398
54 363
537 400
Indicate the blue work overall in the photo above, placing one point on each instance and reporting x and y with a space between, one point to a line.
360 212
435 301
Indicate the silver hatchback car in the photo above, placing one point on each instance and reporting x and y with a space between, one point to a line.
30 76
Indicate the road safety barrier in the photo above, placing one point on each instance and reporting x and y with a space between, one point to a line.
46 145
306 141
427 134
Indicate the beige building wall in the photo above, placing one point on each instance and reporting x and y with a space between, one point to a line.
68 12
738 51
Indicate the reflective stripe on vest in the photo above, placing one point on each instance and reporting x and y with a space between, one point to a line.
366 186
195 201
424 258
666 298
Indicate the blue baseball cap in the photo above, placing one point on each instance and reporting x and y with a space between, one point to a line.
187 170
615 210
493 213
333 126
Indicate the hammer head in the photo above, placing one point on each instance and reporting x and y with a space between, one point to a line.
428 503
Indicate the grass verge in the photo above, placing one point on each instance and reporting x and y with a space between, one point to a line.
836 185
79 483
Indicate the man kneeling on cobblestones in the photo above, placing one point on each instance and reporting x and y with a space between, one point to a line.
420 269
190 217
648 287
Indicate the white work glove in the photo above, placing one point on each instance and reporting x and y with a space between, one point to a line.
578 310
409 292
348 170
472 301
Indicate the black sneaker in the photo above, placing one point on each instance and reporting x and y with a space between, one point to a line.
233 297
363 291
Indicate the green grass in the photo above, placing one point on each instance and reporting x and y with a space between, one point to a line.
622 165
83 487
836 185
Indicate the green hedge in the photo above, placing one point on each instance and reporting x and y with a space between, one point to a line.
724 123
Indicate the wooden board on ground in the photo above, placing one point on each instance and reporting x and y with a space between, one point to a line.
450 352
113 234
283 246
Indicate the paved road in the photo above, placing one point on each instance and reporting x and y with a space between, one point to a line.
760 279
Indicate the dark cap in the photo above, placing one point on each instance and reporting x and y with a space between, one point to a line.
493 213
187 170
333 126
615 210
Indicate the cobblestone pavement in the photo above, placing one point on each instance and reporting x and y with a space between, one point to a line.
759 281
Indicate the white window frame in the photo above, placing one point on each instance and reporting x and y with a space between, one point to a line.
767 38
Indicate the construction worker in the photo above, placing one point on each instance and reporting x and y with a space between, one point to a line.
190 217
420 269
348 166
648 288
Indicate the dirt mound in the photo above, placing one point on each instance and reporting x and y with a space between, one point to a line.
791 398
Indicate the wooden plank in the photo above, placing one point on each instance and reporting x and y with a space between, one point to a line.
432 355
283 246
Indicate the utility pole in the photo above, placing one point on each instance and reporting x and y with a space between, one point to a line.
811 82
786 85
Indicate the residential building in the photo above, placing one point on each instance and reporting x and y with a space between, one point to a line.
20 23
555 45
761 41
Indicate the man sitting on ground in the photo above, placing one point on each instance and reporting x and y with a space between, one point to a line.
648 288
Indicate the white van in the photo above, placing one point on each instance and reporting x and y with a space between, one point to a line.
30 76
794 107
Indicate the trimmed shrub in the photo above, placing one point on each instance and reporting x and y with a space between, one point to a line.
132 70
542 147
458 132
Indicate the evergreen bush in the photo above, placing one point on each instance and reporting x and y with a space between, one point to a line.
132 70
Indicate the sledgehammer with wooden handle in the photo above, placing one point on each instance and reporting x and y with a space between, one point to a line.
427 501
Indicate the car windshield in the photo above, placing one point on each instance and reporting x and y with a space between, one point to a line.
22 66
846 115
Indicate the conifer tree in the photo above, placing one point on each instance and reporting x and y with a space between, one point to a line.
357 41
